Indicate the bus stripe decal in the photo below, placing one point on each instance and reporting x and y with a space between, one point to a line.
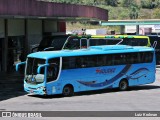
108 82
138 73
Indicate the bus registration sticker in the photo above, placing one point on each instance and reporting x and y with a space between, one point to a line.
53 89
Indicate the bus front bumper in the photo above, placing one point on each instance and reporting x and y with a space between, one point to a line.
37 91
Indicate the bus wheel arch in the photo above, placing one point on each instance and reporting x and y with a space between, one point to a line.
123 84
68 90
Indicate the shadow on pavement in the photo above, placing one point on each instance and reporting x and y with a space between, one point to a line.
11 85
135 88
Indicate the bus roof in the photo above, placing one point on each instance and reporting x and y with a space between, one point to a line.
94 50
110 36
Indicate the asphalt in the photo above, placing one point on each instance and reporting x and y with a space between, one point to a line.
11 85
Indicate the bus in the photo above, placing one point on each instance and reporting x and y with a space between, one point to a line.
84 41
99 67
50 43
153 39
134 40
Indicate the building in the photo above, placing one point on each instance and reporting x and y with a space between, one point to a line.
143 29
25 22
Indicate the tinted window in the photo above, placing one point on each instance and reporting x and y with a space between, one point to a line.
75 43
53 69
106 60
95 42
33 64
135 41
56 42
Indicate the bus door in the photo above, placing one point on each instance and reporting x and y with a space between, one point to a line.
53 69
84 43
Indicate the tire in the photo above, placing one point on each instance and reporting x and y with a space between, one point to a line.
123 85
68 91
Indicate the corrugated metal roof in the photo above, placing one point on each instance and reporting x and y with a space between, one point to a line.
43 10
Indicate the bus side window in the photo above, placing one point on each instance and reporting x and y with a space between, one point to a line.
91 61
101 60
109 60
53 69
69 63
146 57
129 59
150 57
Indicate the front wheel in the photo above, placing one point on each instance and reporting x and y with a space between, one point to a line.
123 85
68 91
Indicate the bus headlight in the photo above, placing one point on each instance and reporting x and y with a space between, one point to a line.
41 88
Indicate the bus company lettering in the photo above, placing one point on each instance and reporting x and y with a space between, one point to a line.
105 71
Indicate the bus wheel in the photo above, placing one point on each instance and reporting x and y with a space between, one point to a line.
123 85
68 90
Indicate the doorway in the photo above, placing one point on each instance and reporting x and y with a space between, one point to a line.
15 51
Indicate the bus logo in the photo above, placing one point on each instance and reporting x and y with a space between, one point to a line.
105 71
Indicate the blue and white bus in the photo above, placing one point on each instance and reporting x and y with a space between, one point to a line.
99 67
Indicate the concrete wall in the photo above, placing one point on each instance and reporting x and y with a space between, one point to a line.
1 28
31 29
34 32
16 27
50 26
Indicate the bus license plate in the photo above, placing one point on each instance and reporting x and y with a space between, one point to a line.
31 91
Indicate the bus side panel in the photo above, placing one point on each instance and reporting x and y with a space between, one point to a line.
142 74
93 78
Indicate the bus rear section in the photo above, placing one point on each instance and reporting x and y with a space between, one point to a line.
99 67
153 39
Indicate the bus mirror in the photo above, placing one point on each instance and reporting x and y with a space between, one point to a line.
18 64
40 67
154 44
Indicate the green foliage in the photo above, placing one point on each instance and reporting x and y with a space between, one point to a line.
126 3
150 4
156 13
146 3
112 2
134 10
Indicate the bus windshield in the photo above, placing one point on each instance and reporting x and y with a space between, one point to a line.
54 42
75 43
31 75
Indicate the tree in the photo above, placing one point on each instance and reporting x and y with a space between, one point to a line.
127 3
156 13
112 2
134 10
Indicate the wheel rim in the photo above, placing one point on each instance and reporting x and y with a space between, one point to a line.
67 91
123 85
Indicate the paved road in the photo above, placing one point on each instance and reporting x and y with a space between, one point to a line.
140 98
